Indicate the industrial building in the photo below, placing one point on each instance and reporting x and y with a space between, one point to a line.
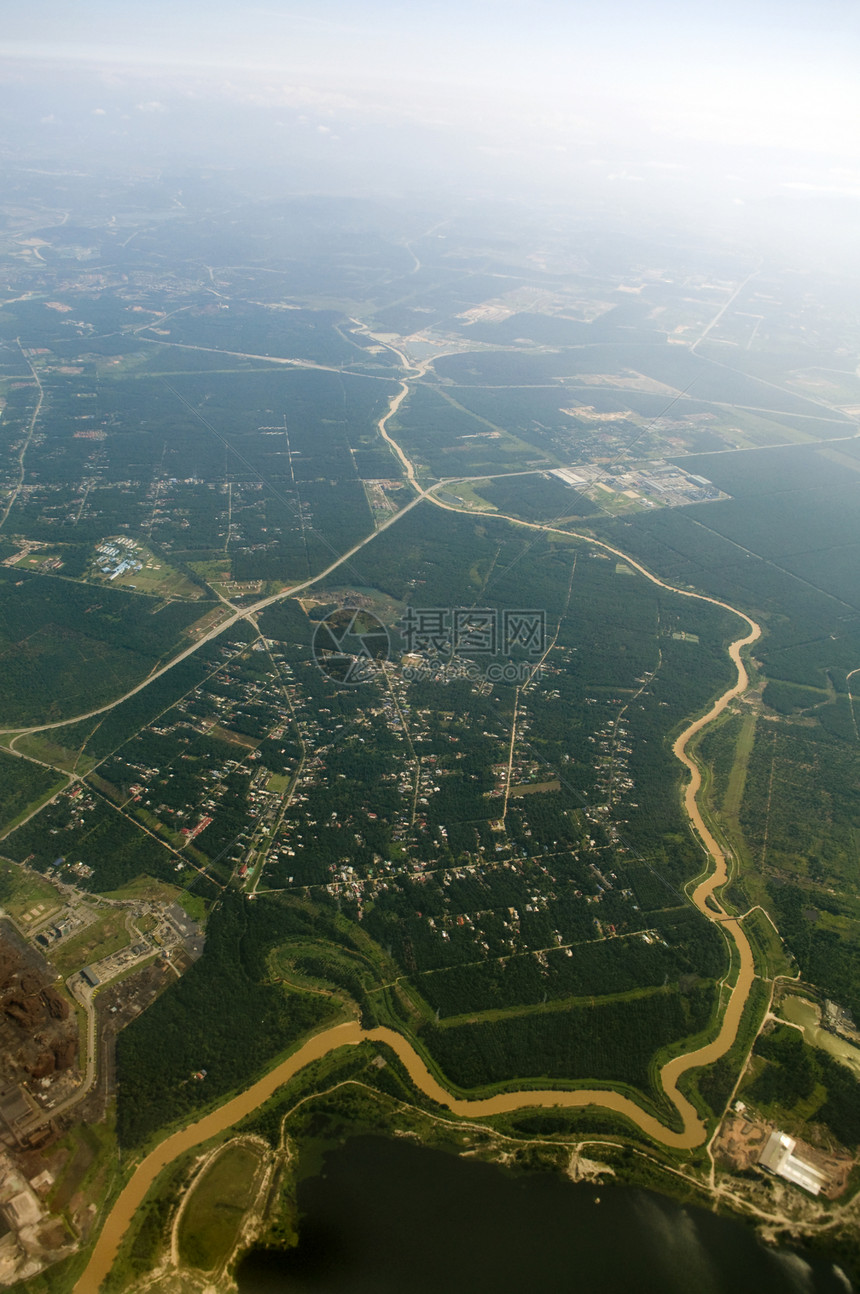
778 1156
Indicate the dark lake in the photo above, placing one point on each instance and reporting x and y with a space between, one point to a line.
386 1216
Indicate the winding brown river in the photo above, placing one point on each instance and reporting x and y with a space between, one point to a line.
693 1131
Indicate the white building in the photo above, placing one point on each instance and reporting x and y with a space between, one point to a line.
778 1156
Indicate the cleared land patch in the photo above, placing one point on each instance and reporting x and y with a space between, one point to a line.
102 938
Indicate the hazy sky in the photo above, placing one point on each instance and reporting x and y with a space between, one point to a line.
775 72
733 97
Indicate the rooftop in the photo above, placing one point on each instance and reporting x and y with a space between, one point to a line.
778 1156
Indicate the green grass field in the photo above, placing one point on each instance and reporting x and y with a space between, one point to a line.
209 1227
146 887
105 936
39 746
26 896
737 778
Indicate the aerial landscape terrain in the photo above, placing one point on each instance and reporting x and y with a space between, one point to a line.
429 702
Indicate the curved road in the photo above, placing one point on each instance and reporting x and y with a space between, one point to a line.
245 613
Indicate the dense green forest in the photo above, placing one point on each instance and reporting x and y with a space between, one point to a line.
604 1042
22 785
790 1073
222 1016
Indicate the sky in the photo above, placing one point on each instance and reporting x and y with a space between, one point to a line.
730 99
777 72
